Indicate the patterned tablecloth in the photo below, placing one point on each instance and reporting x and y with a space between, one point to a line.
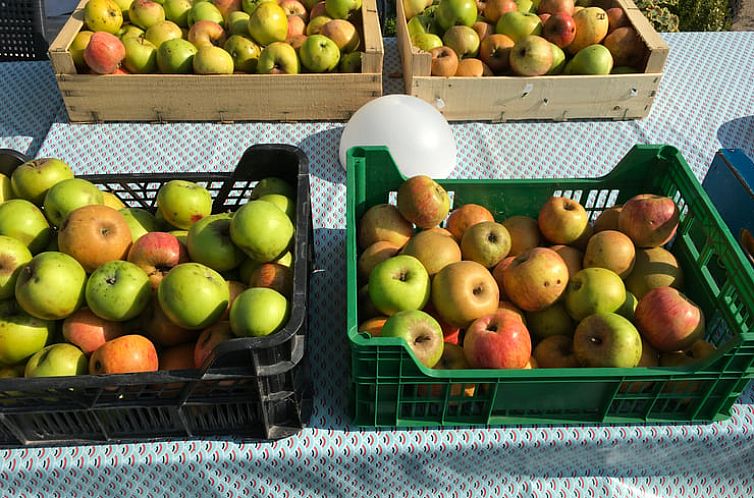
705 102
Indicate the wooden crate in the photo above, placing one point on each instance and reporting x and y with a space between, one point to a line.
504 98
222 98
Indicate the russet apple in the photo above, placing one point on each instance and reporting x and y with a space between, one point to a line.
616 18
573 257
94 235
384 222
497 340
524 233
607 340
444 61
374 254
535 279
654 267
626 46
126 354
562 220
487 243
483 29
434 250
495 51
497 274
422 201
461 218
669 320
463 292
608 219
555 352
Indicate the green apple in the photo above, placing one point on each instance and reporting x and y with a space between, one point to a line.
249 6
350 63
6 189
261 230
319 54
163 31
341 9
238 23
594 290
193 296
456 12
427 41
177 11
399 283
594 59
628 307
23 221
463 40
315 25
140 221
118 291
422 24
526 6
57 360
258 311
421 332
141 56
286 204
517 25
33 179
205 11
21 335
181 235
553 320
209 243
146 13
268 23
103 15
176 57
486 242
183 203
78 45
607 340
51 286
13 255
130 31
124 6
244 52
413 8
213 60
69 195
558 60
272 185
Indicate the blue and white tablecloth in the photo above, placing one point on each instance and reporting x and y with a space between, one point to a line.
705 102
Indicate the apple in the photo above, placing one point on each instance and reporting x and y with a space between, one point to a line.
139 221
268 23
13 256
51 286
77 47
163 31
258 311
161 330
422 201
463 39
177 11
555 7
495 51
422 24
524 232
421 332
295 8
316 24
296 28
399 283
455 12
21 334
176 57
141 56
6 189
608 219
473 67
612 250
413 8
87 331
626 46
591 28
319 9
69 195
343 33
209 339
206 33
531 56
487 243
104 53
249 6
319 54
103 15
285 204
562 220
179 357
593 59
463 292
238 23
494 9
126 354
669 320
244 52
497 340
555 352
373 326
698 351
535 279
468 215
434 250
594 290
278 58
57 360
342 9
23 221
483 29
209 243
497 274
31 180
616 18
12 372
193 296
118 291
573 257
261 230
444 61
655 267
273 276
607 340
558 60
213 60
553 320
650 220
452 359
94 235
451 333
129 31
384 222
527 6
518 25
235 288
559 29
377 253
183 203
272 185
145 13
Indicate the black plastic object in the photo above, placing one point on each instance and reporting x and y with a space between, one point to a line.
22 30
251 389
10 159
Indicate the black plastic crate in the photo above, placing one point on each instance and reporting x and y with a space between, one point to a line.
22 30
254 389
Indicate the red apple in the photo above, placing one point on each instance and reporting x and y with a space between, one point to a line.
498 340
535 279
104 53
164 332
157 253
423 201
668 320
177 357
273 276
462 218
209 339
559 29
494 9
126 354
616 18
88 332
451 334
650 220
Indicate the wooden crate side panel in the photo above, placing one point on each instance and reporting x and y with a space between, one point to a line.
552 98
658 48
415 63
156 98
61 59
372 58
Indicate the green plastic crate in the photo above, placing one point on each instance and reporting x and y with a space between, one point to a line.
390 388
